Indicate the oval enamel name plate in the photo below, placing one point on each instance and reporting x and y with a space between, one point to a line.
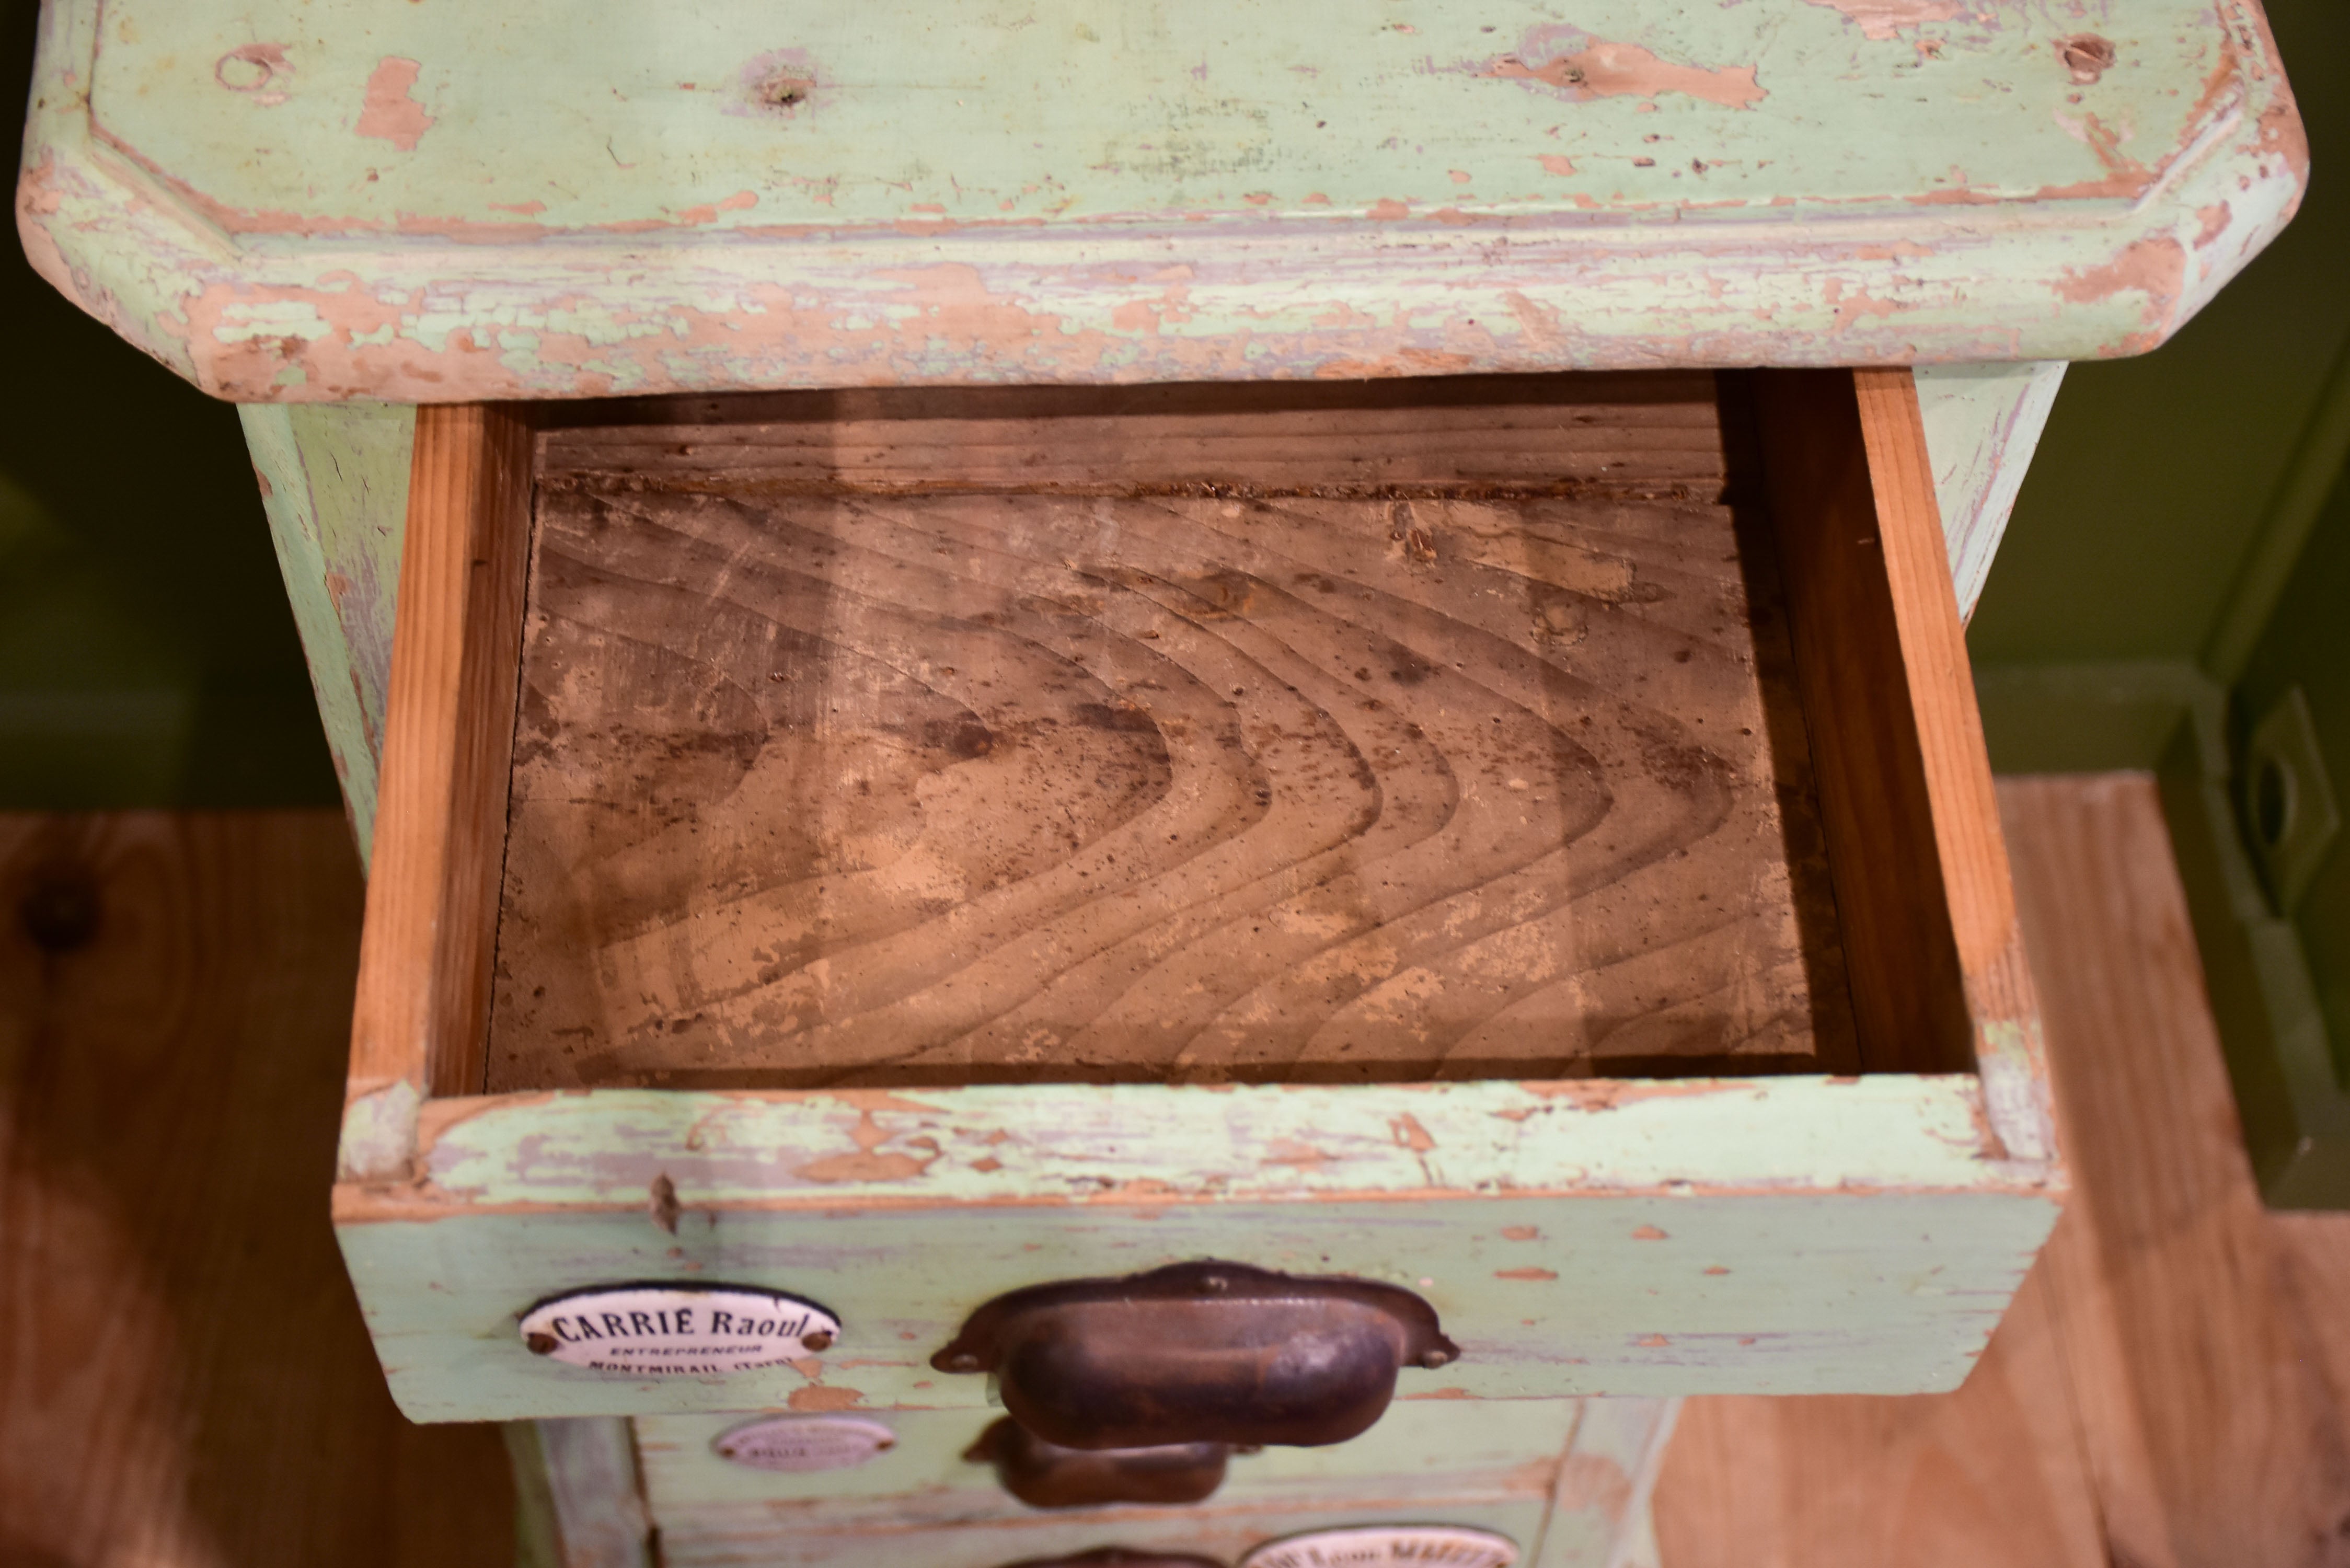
676 1331
796 1443
1382 1545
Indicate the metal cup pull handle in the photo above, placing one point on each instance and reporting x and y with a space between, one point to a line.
1118 1557
1046 1475
1199 1353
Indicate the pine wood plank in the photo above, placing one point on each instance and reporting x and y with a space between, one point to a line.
1281 782
1876 678
2210 1420
1653 434
2178 1370
426 956
184 1377
1990 1474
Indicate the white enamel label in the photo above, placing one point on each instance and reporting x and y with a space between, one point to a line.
794 1443
1378 1546
677 1330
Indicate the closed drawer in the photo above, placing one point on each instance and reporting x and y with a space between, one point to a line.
1561 1480
1525 843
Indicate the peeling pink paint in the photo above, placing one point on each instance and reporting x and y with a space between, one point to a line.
254 69
2214 219
817 1397
1859 304
779 83
1601 70
1411 1134
868 1164
1607 1094
390 114
741 201
1557 163
1882 19
2156 268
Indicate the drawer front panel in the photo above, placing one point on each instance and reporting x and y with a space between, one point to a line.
1565 1480
1634 1295
1219 1533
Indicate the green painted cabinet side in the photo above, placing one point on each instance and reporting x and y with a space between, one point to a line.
323 200
334 484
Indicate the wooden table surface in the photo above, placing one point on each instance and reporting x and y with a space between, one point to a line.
2172 1388
184 1379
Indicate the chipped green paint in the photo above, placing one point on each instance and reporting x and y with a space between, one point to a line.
1563 1478
322 200
1646 1294
334 484
1983 422
1782 1235
1095 1145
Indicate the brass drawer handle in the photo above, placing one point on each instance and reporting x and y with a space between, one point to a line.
1046 1475
1199 1353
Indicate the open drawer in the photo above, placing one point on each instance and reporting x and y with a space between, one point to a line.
1525 841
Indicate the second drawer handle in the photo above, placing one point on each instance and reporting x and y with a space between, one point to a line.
1046 1475
1199 1353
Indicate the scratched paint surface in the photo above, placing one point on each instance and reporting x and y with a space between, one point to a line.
1430 1458
351 198
1220 1531
1147 1143
334 484
1780 1236
926 1480
1567 1479
358 117
1641 1294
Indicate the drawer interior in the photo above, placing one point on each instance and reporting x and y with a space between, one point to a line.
1398 731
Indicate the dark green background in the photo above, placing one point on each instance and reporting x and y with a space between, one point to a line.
147 656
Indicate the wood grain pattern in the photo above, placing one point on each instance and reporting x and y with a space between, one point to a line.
2174 1376
1839 473
2210 1422
425 957
184 1377
1990 1474
1652 434
1065 769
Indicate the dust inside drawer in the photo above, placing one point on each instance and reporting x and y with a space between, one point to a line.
1382 732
